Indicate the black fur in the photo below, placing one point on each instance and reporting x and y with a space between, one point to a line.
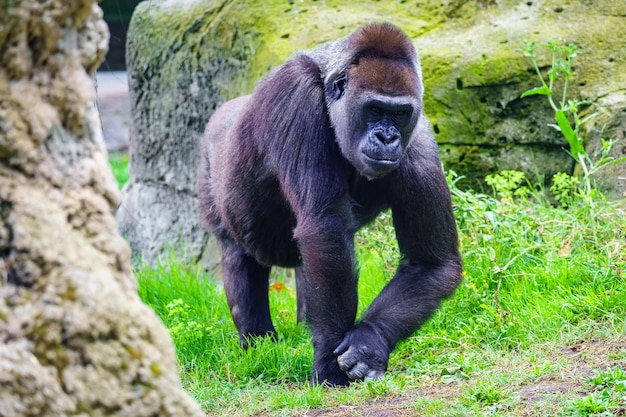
288 174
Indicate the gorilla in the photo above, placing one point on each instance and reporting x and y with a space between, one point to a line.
289 173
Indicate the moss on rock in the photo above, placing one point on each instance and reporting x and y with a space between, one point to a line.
69 309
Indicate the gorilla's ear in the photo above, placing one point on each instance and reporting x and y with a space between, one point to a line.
339 85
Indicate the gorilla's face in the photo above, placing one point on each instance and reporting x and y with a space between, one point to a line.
383 135
374 107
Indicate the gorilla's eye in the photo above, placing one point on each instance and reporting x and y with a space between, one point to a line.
339 85
401 117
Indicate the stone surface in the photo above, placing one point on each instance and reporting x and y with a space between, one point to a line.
609 124
75 337
472 98
187 57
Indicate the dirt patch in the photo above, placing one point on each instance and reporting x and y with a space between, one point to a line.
544 395
536 392
377 409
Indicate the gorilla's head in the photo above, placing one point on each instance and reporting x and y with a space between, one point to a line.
375 102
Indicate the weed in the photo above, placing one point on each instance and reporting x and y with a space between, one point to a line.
592 405
486 394
565 109
607 399
563 188
384 386
508 184
185 330
610 378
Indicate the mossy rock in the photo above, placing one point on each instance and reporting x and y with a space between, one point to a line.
186 58
473 95
70 313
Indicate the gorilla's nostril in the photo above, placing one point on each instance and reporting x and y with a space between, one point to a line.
386 137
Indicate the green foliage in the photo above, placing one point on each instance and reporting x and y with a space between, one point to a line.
608 397
119 166
534 274
564 188
508 184
567 112
610 378
486 394
185 330
592 405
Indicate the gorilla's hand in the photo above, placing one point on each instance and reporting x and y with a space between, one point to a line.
363 353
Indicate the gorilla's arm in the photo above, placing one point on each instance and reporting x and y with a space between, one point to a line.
429 271
293 133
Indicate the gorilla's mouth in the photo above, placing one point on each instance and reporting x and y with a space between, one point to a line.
382 161
384 157
379 156
379 165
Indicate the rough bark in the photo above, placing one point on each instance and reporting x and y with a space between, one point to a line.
75 339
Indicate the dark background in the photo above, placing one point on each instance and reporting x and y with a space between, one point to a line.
117 14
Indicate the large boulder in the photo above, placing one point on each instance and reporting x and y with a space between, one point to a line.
610 123
75 339
186 58
475 72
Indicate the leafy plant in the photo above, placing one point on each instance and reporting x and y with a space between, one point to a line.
486 394
611 378
592 405
567 111
563 188
610 401
508 184
184 329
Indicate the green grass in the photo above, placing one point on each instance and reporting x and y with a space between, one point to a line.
539 281
119 166
607 397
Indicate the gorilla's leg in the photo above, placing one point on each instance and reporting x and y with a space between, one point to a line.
300 285
246 285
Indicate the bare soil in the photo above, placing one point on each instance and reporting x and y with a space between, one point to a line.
542 396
